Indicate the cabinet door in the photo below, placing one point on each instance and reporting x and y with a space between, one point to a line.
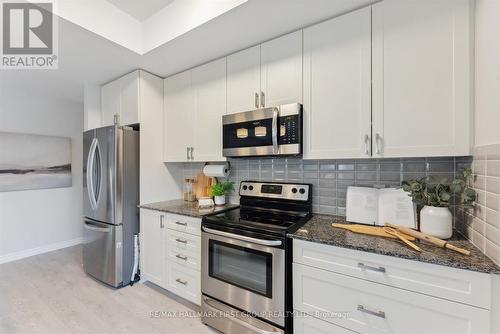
179 112
110 102
243 80
129 111
378 308
281 70
421 78
152 247
337 87
209 84
309 325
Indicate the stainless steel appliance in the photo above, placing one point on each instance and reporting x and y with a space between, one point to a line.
110 199
263 132
247 259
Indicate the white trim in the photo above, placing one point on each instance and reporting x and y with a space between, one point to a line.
9 257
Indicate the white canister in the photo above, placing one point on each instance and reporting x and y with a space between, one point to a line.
220 200
436 221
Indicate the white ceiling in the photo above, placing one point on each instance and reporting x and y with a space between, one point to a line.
140 9
87 58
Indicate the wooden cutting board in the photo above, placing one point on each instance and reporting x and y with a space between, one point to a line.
202 185
370 230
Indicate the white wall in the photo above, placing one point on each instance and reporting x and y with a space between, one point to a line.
41 220
487 116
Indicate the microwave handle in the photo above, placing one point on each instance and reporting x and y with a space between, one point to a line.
275 130
243 238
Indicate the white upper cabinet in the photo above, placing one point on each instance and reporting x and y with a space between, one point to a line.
243 80
180 104
265 75
110 102
281 70
421 78
124 98
337 110
130 109
209 84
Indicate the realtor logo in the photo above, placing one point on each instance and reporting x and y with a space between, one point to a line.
28 35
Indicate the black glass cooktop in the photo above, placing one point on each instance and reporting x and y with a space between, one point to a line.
259 220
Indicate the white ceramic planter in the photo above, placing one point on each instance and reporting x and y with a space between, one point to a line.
220 200
436 221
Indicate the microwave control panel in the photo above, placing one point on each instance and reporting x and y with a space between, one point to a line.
289 130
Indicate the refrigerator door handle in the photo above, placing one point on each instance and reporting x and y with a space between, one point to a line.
96 229
90 174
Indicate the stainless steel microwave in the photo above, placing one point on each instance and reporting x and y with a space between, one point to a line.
273 131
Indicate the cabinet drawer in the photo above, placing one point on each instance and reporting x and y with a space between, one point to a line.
184 259
464 286
184 282
311 325
377 308
184 224
183 242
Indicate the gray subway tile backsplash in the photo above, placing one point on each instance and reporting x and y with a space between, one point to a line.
330 178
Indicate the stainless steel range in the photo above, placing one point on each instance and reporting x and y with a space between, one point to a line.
246 263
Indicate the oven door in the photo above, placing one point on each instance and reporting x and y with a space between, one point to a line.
245 272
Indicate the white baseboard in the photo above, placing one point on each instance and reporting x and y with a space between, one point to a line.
39 250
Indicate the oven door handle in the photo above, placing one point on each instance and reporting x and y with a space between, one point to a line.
274 130
244 238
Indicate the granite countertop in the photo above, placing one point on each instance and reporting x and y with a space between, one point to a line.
319 229
184 208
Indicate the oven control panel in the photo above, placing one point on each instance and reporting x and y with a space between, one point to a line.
298 192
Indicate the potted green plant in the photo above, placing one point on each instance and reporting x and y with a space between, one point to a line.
436 197
220 190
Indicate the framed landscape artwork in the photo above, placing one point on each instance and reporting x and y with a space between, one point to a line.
34 162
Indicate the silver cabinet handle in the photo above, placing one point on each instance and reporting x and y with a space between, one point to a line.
187 153
243 238
162 225
192 155
256 100
377 269
379 314
116 119
182 241
179 256
274 131
182 224
181 281
367 140
378 138
262 99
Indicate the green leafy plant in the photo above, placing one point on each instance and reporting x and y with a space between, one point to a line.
442 193
223 188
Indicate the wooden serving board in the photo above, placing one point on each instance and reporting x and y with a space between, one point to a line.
370 230
202 185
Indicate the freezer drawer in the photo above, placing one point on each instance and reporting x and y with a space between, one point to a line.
102 251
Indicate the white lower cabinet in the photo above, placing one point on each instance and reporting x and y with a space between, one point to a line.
310 325
171 253
323 290
152 234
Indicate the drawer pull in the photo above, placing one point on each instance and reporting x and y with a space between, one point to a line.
182 224
377 269
182 257
183 241
181 281
379 314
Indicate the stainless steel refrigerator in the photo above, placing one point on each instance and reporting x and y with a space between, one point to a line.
110 199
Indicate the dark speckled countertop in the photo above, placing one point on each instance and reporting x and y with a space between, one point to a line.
181 207
319 229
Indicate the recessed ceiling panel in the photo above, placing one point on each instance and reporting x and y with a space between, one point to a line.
140 9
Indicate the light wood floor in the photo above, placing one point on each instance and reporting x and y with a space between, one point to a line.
50 293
